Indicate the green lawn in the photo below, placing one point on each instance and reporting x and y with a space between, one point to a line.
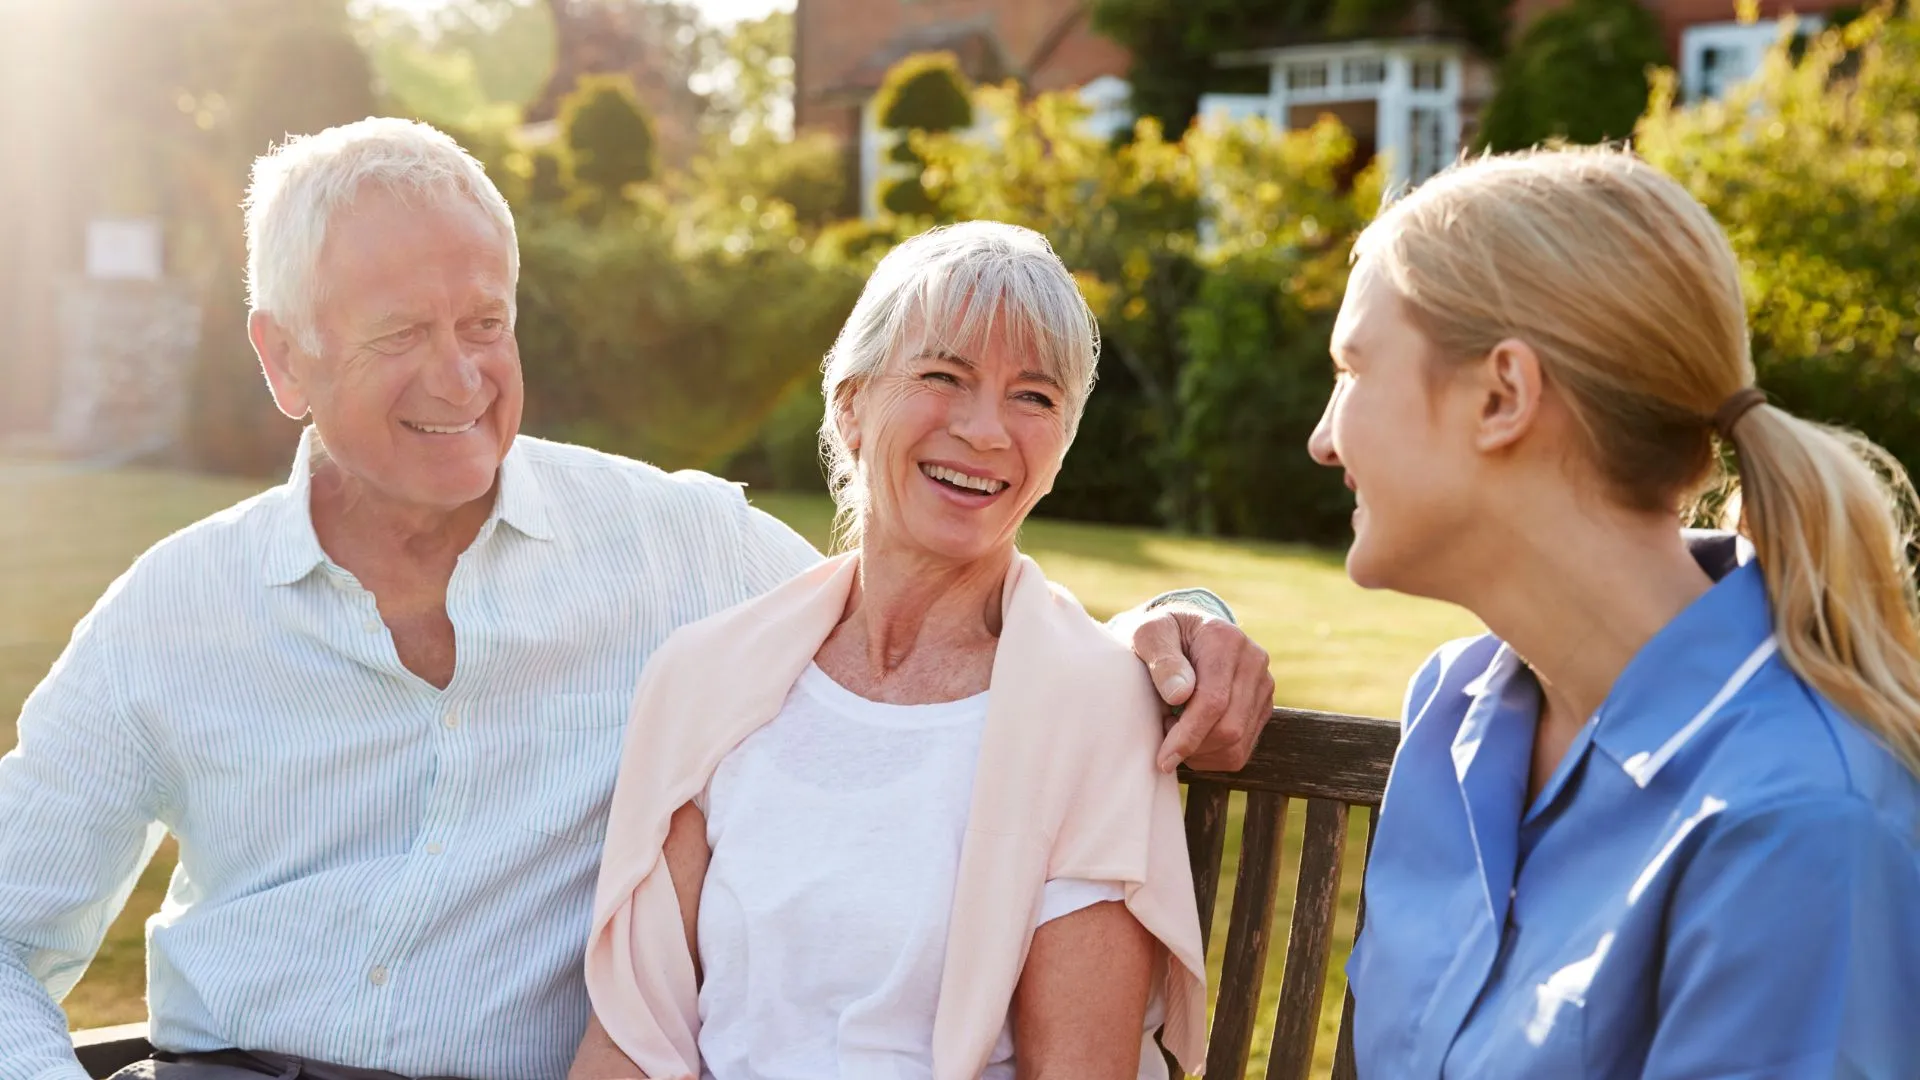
66 534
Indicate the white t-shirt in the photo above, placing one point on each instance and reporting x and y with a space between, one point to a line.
836 833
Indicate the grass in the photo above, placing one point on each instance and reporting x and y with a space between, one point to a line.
67 533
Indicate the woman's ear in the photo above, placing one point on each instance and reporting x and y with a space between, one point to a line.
845 417
1510 387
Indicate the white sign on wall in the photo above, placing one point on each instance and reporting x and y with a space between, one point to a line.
124 249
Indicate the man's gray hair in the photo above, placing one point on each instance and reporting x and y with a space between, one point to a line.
955 287
299 185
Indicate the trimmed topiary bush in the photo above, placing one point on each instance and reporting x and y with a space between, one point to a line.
924 92
1578 73
607 133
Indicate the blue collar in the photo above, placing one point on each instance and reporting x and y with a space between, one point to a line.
291 550
1682 678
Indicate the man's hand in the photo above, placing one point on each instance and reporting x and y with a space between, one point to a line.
1217 679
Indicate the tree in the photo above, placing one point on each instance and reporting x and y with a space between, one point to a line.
183 95
472 65
926 92
607 133
1814 169
1579 73
749 88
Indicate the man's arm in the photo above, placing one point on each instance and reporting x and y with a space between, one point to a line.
772 552
77 796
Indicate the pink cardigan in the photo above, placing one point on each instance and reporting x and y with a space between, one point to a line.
1066 788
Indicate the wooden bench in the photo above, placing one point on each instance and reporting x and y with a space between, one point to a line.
1330 762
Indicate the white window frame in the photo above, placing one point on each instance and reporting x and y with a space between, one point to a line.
1394 96
1109 102
1751 40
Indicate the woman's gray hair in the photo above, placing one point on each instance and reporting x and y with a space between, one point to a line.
955 287
299 185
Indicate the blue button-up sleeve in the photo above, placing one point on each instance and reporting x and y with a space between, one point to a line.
1793 950
78 797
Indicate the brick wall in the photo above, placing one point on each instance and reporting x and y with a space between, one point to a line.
835 39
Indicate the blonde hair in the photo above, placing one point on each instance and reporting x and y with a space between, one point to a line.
955 286
1629 293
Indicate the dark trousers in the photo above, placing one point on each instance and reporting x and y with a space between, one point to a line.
247 1065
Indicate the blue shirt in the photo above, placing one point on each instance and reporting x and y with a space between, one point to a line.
1721 880
373 871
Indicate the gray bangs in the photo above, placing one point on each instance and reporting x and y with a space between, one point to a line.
1019 303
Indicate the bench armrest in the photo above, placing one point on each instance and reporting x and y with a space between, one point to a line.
105 1051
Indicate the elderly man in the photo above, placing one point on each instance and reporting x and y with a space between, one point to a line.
381 705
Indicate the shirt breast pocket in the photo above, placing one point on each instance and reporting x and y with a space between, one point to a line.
579 755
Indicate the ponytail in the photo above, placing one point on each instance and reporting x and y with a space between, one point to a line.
1831 516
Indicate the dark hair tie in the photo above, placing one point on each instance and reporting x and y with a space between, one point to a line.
1737 405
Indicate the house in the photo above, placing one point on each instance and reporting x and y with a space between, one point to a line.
1413 93
843 49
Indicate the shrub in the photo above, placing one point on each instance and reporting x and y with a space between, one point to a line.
607 133
672 332
1814 169
1578 73
1255 335
807 173
926 92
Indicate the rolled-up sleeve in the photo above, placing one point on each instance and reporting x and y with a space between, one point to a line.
1793 950
79 797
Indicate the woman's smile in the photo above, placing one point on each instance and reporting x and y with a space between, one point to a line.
965 486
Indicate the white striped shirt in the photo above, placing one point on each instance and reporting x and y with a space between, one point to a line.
373 871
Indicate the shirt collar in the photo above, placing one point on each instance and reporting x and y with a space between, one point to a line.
291 548
1683 677
520 502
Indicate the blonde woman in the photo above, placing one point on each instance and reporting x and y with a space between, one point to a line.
1661 821
901 817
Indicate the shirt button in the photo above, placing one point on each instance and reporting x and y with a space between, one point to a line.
372 626
378 976
435 848
452 719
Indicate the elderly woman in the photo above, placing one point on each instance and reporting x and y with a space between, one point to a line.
901 817
1663 821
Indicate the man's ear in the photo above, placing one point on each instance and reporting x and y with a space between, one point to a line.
277 351
1510 385
845 417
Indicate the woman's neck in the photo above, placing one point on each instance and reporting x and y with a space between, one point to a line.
904 601
1577 604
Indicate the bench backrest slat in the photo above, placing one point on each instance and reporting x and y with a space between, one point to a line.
1206 841
1249 930
1309 940
1343 1065
1333 763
